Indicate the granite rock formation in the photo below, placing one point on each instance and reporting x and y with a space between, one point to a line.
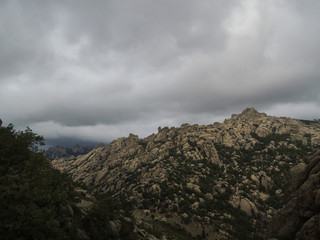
218 181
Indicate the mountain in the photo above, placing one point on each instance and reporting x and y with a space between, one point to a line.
217 181
60 152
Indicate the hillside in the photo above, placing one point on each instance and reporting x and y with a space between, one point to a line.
219 181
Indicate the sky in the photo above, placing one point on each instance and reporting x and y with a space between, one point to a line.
91 71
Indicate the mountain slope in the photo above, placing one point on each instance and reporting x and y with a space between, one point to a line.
220 181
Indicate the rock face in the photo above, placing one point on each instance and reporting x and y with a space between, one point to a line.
300 217
218 181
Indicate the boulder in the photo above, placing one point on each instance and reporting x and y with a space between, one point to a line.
247 206
194 187
114 228
255 179
209 196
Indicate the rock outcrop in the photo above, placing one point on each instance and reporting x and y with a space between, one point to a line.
300 217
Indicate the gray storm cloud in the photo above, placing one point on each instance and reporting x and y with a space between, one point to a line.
98 70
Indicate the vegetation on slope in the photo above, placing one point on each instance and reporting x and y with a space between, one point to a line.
254 175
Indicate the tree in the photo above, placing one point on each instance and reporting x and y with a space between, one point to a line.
32 193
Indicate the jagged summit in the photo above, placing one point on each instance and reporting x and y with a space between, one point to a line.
249 113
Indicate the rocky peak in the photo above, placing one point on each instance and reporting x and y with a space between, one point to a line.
251 113
248 116
133 137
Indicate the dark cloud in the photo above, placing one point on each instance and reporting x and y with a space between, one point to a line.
68 142
98 70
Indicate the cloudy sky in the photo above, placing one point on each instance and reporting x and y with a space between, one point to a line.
95 70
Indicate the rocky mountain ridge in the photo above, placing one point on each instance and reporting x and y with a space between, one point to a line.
62 152
218 181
